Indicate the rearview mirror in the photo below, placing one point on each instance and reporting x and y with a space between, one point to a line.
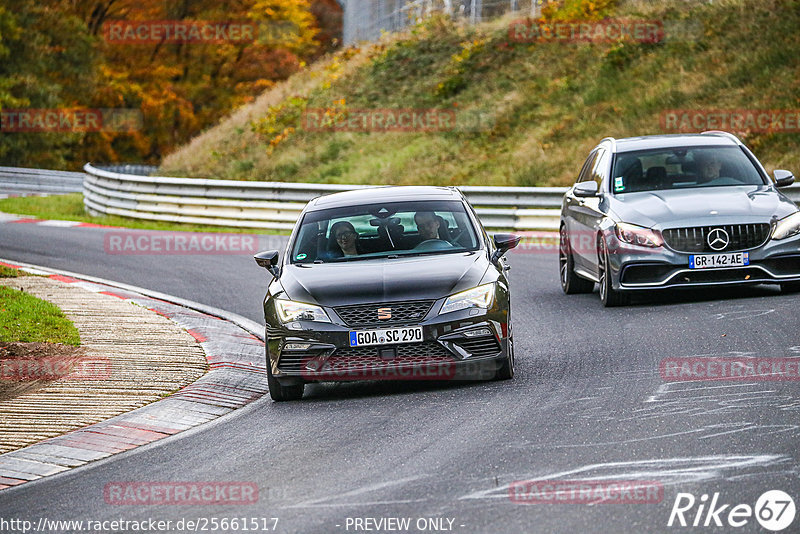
268 260
783 178
385 222
504 243
585 189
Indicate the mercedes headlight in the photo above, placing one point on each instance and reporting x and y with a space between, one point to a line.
787 227
638 235
289 310
477 297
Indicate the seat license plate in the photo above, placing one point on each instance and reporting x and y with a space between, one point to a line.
714 261
385 336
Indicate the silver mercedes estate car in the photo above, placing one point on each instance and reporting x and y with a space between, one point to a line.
669 211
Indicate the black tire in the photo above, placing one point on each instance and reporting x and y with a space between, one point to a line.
609 296
281 393
506 370
571 283
790 287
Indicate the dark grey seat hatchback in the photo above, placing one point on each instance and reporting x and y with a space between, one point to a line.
397 283
669 211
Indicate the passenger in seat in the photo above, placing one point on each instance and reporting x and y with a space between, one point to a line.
346 238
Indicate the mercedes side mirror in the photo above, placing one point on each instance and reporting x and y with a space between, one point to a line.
783 178
268 260
585 189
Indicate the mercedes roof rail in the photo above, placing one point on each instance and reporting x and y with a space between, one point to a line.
721 133
612 141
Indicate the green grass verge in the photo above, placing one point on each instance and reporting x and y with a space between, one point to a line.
8 272
70 208
27 319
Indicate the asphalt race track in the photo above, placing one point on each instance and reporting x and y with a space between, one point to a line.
588 402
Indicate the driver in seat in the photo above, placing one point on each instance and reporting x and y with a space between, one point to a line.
428 224
710 166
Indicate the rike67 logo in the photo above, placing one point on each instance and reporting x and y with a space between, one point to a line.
774 510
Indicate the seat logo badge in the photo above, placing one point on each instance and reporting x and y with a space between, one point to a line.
718 239
384 313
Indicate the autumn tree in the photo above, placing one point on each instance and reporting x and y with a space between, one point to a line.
178 88
46 61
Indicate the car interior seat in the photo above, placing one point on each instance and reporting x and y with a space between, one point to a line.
689 168
656 178
444 228
630 169
391 235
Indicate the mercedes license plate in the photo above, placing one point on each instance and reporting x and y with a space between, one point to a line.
713 261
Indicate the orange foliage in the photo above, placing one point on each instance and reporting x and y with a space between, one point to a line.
182 88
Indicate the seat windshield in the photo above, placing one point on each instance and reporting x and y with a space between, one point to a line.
384 230
681 168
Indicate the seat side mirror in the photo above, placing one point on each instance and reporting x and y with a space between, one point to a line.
504 243
586 189
268 259
783 178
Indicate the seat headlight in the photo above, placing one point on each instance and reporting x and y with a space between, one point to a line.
787 227
477 297
638 235
289 310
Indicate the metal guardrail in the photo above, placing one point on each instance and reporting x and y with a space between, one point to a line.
276 205
269 205
16 181
130 168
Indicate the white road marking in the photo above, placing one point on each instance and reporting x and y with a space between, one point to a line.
667 471
743 314
320 502
59 224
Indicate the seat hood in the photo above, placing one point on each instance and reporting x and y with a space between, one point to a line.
384 280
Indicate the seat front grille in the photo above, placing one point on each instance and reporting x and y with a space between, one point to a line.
368 315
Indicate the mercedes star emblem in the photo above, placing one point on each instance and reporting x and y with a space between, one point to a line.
718 239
